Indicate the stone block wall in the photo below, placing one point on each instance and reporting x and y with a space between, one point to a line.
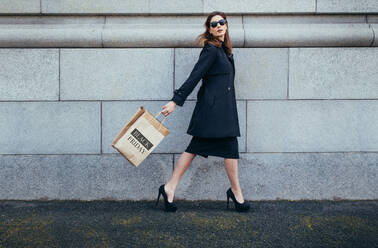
73 72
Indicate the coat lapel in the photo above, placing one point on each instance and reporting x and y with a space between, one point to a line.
231 58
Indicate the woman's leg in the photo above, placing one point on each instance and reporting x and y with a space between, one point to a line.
182 164
231 165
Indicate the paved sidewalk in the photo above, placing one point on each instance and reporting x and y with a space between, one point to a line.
195 224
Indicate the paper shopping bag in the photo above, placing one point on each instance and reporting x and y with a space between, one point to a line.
140 136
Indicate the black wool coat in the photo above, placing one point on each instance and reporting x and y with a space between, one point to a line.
215 114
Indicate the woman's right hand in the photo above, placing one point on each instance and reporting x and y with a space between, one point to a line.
168 108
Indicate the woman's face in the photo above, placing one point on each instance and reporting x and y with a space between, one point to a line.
219 31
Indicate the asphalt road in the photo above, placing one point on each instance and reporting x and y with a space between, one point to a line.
195 224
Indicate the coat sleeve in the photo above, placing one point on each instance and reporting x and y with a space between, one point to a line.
205 60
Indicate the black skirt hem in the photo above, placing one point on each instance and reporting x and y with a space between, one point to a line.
226 147
215 155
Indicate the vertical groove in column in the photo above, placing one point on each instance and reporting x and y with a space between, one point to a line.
100 127
40 7
246 124
173 83
173 161
288 73
59 75
174 66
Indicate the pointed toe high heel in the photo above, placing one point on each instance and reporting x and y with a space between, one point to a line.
240 207
169 206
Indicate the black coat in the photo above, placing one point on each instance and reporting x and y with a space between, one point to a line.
215 113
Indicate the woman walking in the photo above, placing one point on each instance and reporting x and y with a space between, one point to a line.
214 124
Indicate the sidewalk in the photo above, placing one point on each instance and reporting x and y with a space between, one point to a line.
195 224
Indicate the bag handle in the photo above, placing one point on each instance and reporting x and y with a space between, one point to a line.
157 114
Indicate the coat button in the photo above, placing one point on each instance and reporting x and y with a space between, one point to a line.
229 88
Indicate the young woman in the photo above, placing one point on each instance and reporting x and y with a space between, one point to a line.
214 124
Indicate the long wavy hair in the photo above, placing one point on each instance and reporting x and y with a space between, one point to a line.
206 36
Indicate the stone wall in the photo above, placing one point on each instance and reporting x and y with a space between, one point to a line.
72 73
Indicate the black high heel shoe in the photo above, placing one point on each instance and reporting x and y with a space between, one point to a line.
240 207
169 206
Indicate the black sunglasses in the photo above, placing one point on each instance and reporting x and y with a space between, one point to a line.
221 22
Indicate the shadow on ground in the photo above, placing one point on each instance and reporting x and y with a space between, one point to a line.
195 224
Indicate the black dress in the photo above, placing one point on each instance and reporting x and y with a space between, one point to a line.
226 147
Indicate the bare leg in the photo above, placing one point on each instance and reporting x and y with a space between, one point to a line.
180 167
231 165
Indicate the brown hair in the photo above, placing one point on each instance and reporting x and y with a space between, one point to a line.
206 36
